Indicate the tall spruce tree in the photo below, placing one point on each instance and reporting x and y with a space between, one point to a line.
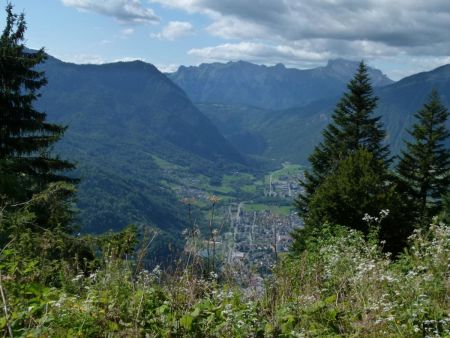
350 173
353 127
32 181
25 137
424 166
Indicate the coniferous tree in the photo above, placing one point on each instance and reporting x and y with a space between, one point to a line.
444 215
25 137
355 188
30 177
353 127
350 173
424 166
359 194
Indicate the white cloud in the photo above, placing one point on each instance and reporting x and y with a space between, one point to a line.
175 30
83 59
301 54
395 23
125 11
126 33
261 53
129 59
303 29
167 68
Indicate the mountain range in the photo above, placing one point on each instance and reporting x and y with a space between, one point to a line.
291 133
128 123
273 88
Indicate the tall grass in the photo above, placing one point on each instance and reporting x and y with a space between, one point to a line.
342 285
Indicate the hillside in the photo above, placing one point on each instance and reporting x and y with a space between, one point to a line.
126 120
291 134
239 124
399 101
273 88
122 117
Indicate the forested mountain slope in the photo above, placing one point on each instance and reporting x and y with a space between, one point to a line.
290 134
121 117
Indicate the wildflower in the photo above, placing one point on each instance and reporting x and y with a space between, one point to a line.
384 213
77 278
367 218
213 199
156 271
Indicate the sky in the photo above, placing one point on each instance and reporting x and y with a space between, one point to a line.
400 37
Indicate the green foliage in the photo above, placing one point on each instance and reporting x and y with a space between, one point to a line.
358 190
46 211
56 284
353 127
355 188
341 285
444 215
34 194
425 164
131 122
350 180
25 136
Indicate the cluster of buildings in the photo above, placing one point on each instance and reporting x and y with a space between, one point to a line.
257 238
283 187
251 239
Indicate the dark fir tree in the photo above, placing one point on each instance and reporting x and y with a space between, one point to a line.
361 185
25 135
444 215
353 127
424 165
350 175
30 177
355 188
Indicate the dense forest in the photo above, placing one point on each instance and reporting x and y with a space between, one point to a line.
372 259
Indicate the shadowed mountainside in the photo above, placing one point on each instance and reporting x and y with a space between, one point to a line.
291 134
120 117
272 88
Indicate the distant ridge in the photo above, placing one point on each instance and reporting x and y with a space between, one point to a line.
290 134
267 87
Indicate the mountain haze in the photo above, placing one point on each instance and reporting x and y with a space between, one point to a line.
399 101
291 134
125 117
274 88
121 117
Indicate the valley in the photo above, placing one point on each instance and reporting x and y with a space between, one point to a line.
254 214
147 142
208 169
